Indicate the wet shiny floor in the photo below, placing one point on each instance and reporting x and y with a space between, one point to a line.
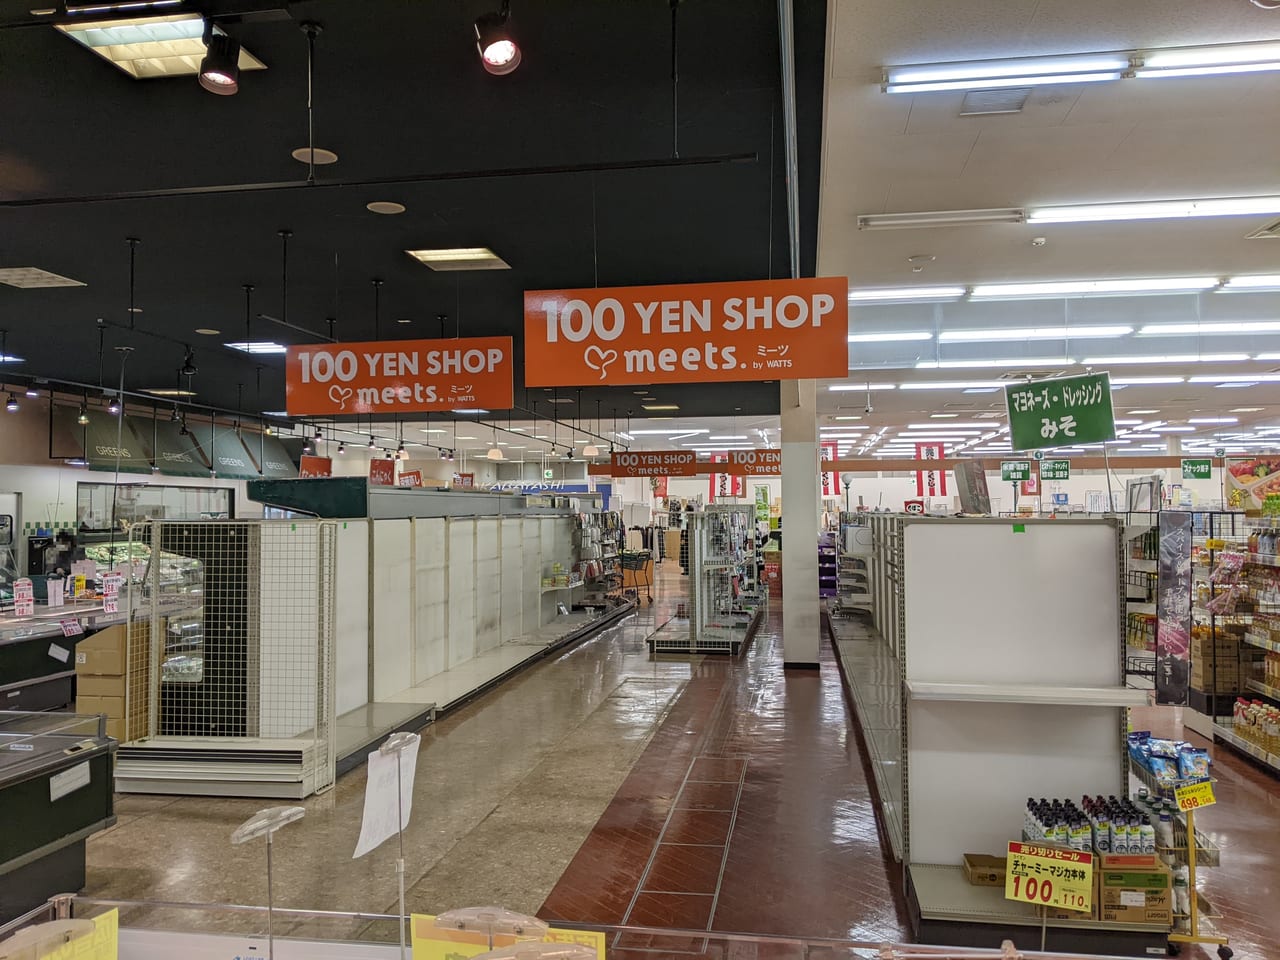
600 786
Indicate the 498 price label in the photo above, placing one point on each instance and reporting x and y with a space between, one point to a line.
1049 877
1194 795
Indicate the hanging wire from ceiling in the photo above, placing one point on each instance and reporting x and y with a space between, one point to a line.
133 256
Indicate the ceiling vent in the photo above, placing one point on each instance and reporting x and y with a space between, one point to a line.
1270 232
980 103
31 278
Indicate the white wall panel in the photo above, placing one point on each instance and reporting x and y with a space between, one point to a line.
488 578
532 573
512 586
431 598
392 588
351 614
462 590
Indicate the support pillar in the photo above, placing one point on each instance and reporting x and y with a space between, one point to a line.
801 622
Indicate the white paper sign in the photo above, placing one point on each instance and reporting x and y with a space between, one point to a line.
23 589
59 653
111 604
55 592
111 584
69 781
1133 898
380 797
24 608
84 568
71 627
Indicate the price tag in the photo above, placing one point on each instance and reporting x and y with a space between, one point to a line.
111 604
71 627
24 608
1213 543
1049 877
1194 795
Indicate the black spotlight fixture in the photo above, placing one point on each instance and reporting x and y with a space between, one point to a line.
113 407
189 368
175 416
499 52
444 454
568 454
450 456
342 447
372 445
12 404
220 68
318 435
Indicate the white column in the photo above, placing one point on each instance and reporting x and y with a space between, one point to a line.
801 623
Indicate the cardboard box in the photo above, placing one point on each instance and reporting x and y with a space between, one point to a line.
113 707
984 870
112 638
1132 894
106 663
115 729
88 685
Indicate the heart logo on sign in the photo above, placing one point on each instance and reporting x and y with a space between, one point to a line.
598 359
340 395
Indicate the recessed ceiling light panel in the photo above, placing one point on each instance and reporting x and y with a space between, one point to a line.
459 258
33 278
257 347
150 47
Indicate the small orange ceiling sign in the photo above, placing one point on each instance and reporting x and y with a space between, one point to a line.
387 377
684 463
688 333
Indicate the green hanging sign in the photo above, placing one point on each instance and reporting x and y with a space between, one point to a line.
1013 470
1061 412
1197 469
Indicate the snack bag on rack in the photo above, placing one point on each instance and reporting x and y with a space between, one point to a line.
1193 762
1225 602
1228 567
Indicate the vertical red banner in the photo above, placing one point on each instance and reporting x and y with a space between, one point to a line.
725 484
830 478
660 487
931 483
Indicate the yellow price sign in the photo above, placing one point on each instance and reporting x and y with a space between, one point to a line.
1214 543
1049 877
431 942
1194 795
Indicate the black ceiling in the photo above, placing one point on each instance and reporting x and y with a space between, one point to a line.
399 93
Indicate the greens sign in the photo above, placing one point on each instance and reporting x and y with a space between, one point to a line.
1055 470
1014 470
1197 469
1060 412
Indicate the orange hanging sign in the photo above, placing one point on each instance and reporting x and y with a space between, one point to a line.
399 376
688 333
654 463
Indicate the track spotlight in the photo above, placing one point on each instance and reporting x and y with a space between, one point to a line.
451 455
499 52
12 405
113 407
175 416
318 435
220 68
32 392
189 368
83 419
342 447
372 445
444 454
568 454
390 455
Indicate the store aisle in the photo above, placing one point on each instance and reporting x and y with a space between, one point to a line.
748 812
507 789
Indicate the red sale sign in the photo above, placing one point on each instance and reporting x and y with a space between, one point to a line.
931 483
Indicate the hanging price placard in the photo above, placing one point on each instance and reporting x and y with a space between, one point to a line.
1194 795
1049 877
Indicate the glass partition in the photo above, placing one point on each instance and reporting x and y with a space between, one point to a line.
108 507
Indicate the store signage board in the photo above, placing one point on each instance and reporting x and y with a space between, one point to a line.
311 466
382 473
1049 876
432 942
411 478
1014 470
1055 469
1198 469
380 821
1195 794
655 463
687 333
399 376
762 504
1060 412
176 454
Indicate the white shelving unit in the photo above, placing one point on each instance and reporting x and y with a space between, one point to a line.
1004 694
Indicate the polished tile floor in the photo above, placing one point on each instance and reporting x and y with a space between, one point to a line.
602 786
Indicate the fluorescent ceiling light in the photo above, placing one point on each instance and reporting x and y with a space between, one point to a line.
1144 411
1173 430
947 426
1263 281
906 293
953 385
476 410
1001 362
662 433
939 218
257 347
998 83
1246 409
1229 68
9 358
1175 358
1237 378
1145 381
1143 436
459 258
430 430
846 418
1034 333
1156 209
726 436
150 47
1209 59
1008 72
1212 329
168 392
681 436
1086 288
1213 420
659 406
850 387
1127 423
904 337
32 278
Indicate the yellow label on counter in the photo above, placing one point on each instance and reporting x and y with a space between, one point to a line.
1194 795
445 943
1049 877
102 944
